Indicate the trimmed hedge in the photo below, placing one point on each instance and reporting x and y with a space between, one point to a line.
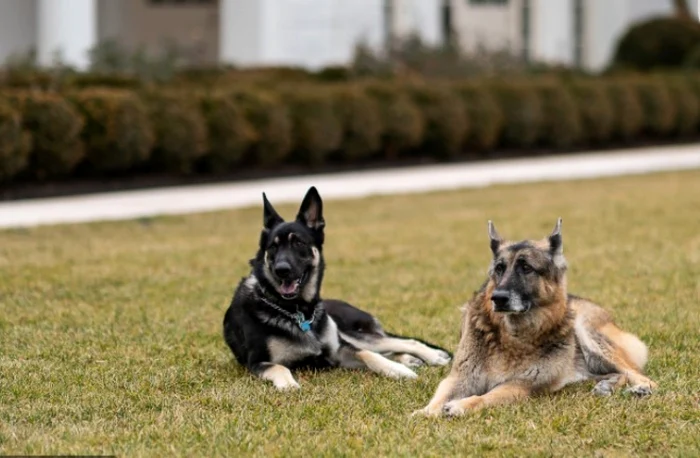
402 122
180 131
628 113
561 120
15 144
272 124
55 126
316 125
45 134
485 118
231 134
522 108
595 110
360 123
446 121
117 134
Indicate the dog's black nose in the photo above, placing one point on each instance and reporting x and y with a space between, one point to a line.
282 269
500 299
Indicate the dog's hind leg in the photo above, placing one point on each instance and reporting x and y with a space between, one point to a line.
351 357
616 354
280 376
399 346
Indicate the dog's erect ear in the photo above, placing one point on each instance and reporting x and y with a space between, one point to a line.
270 216
496 239
556 243
311 210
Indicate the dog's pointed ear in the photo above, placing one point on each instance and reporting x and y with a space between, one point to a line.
270 216
556 243
311 210
496 239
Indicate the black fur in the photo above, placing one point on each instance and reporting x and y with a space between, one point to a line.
285 280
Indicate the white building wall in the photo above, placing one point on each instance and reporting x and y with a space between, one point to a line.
67 30
18 28
552 39
491 27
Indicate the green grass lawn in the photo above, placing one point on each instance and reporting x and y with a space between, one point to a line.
110 333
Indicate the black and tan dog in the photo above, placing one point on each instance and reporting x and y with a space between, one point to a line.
522 334
277 320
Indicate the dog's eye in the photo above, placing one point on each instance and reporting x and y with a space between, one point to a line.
296 243
499 269
526 268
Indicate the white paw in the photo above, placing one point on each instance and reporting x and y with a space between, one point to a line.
426 412
396 370
453 409
410 360
439 358
286 385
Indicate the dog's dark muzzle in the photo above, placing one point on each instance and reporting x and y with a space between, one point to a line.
501 301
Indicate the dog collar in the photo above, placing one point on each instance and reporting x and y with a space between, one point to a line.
298 317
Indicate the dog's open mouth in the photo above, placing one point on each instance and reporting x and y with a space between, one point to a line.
289 289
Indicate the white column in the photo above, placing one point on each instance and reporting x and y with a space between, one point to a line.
553 31
67 30
241 30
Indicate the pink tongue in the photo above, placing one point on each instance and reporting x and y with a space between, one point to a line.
288 288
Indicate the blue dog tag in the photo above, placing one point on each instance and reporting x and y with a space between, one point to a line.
304 325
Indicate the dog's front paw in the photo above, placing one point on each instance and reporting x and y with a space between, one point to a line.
642 389
459 407
440 358
427 411
287 385
604 388
397 370
410 360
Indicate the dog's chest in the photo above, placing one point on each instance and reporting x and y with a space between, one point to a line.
286 351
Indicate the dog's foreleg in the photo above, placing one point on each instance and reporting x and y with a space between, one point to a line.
503 394
443 392
280 376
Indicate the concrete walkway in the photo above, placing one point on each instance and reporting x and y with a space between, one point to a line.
192 199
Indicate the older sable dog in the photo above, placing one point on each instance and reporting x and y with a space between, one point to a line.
523 334
277 321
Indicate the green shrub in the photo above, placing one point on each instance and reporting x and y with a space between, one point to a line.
403 124
693 81
360 122
231 135
628 113
446 121
180 131
271 122
561 120
316 127
657 105
15 144
687 103
117 132
55 126
657 43
595 110
484 116
523 113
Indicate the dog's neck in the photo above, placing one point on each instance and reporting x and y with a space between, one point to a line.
291 306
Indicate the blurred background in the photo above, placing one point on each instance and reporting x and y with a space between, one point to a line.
95 89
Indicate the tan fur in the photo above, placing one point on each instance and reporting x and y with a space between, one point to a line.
506 357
